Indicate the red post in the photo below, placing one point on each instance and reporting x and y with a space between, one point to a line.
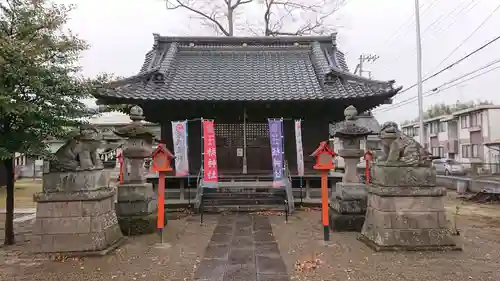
161 164
120 161
324 203
161 201
368 158
121 173
324 163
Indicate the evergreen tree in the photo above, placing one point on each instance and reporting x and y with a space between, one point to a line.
40 90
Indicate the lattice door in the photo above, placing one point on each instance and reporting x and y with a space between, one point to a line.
230 138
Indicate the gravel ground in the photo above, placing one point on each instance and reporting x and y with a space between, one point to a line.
346 258
140 258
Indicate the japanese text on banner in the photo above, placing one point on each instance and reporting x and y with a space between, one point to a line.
276 138
179 135
210 173
298 144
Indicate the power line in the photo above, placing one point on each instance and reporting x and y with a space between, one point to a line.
453 64
444 84
409 20
469 8
470 35
431 26
437 89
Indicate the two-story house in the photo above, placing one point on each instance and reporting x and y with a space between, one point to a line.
462 135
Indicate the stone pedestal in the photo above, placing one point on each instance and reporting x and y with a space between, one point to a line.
79 223
137 208
410 216
348 207
75 181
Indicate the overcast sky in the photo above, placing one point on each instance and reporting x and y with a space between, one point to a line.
120 33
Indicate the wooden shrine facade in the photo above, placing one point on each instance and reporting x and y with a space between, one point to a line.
240 82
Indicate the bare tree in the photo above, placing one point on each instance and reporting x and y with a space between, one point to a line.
263 17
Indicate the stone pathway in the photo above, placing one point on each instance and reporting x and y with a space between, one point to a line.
242 247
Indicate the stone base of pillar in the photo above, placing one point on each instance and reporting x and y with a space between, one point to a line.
407 219
76 224
347 207
138 225
345 222
137 208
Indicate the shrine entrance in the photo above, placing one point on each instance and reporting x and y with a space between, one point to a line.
243 148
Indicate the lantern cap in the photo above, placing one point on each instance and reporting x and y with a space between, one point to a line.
323 147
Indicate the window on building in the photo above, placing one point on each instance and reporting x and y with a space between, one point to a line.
475 151
465 151
464 121
434 127
475 119
435 151
441 151
442 127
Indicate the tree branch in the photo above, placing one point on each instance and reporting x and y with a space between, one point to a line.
180 4
314 14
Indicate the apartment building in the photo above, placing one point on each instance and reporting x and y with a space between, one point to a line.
468 136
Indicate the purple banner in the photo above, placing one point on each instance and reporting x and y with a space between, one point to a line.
276 138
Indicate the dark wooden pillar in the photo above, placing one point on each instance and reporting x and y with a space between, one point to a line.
290 145
194 146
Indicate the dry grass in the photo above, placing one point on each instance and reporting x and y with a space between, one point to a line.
23 196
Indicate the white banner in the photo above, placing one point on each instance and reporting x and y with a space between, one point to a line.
179 135
298 145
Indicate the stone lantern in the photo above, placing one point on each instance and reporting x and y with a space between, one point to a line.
348 202
137 206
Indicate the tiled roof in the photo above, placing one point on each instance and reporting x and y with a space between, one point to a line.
245 69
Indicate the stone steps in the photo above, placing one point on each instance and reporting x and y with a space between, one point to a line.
243 208
243 196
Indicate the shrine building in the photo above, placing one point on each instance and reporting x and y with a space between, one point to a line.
240 82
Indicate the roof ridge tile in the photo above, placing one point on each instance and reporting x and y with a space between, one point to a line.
169 57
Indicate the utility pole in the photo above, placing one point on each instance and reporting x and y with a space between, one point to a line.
419 74
365 58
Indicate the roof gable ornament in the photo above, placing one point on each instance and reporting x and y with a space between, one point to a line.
333 36
329 77
158 77
156 37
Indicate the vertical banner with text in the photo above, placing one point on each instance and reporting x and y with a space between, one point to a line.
179 135
210 173
298 144
276 138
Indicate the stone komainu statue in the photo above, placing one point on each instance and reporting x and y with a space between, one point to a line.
398 147
80 152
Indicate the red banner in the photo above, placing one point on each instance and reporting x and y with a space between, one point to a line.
210 174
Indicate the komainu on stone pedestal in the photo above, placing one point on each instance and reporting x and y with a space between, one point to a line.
75 212
405 209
